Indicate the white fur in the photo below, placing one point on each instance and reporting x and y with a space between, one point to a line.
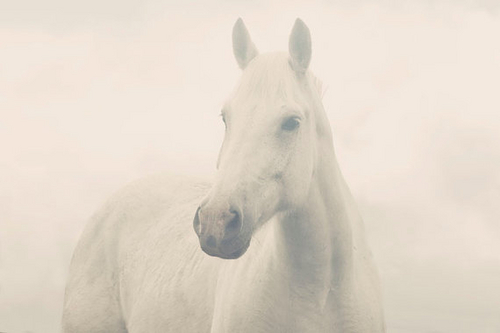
139 268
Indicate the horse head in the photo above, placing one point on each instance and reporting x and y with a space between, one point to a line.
269 152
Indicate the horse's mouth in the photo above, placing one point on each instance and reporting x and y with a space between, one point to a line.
228 253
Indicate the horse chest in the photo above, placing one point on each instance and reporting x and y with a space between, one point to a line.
259 296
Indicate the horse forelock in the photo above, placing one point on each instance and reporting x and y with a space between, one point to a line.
270 77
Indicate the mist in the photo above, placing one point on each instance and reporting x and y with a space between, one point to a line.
96 94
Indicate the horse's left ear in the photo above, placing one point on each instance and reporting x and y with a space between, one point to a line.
299 46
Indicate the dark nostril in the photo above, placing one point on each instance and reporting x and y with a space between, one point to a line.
211 242
196 222
234 225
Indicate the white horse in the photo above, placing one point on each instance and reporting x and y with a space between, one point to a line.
139 268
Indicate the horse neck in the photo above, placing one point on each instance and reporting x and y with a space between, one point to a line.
317 235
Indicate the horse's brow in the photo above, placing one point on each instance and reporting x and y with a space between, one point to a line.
289 109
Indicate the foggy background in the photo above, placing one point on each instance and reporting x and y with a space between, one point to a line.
95 94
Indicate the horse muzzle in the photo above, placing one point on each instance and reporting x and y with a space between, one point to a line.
220 232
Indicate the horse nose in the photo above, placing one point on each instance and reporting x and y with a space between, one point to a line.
210 241
216 226
232 224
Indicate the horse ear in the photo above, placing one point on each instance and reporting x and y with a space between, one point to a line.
299 46
243 48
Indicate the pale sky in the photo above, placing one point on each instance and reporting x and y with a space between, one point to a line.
96 94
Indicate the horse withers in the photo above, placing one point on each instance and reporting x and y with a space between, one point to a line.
278 244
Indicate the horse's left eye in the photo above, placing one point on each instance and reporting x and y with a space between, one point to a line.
290 124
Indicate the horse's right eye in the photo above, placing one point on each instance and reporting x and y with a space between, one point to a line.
290 124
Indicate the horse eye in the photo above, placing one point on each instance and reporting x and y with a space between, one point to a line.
290 124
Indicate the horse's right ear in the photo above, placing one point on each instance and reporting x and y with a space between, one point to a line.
243 48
